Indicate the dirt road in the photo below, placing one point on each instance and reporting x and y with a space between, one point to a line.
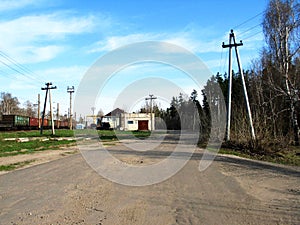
231 191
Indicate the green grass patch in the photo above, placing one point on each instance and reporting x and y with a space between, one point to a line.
112 135
106 134
15 165
11 148
290 156
35 133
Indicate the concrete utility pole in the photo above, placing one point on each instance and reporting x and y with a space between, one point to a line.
47 88
151 109
235 45
71 90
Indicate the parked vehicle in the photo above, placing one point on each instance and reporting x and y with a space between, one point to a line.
104 126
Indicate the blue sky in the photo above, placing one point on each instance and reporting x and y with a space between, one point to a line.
58 41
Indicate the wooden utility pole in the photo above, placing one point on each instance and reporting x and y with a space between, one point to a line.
70 90
47 88
51 113
39 111
94 117
57 115
235 45
151 109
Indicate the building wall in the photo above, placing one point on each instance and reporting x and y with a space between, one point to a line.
129 121
114 121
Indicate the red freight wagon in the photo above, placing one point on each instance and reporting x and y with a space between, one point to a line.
45 122
34 122
57 123
64 124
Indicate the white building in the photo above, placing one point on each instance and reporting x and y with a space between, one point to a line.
118 119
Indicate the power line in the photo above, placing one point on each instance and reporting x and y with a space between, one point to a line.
6 74
17 71
251 28
248 20
14 69
252 35
20 67
252 18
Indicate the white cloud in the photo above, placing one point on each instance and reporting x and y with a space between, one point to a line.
37 35
114 42
47 26
183 39
63 74
33 54
6 5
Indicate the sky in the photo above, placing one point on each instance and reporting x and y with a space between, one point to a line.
59 41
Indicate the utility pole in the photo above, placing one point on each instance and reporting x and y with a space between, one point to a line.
57 115
51 113
235 45
47 88
93 110
151 109
39 111
70 90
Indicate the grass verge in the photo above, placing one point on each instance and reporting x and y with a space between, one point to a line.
11 148
13 166
289 156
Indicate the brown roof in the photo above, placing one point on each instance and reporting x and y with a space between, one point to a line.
115 112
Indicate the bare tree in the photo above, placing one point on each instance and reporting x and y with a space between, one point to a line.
8 104
281 29
29 109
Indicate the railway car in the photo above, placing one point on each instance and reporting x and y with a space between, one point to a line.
34 123
15 122
64 124
57 124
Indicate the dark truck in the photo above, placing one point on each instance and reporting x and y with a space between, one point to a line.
102 125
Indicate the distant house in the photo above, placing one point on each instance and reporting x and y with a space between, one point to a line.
119 119
114 118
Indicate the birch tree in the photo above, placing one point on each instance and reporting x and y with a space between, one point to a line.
281 29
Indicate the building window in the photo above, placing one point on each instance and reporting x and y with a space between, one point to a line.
130 122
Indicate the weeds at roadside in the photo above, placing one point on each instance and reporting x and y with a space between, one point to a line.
13 166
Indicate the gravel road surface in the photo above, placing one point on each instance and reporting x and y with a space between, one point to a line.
231 191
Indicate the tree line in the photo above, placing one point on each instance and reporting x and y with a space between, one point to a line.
273 84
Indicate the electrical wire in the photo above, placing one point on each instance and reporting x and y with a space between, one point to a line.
26 72
19 72
252 35
6 74
251 28
248 20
